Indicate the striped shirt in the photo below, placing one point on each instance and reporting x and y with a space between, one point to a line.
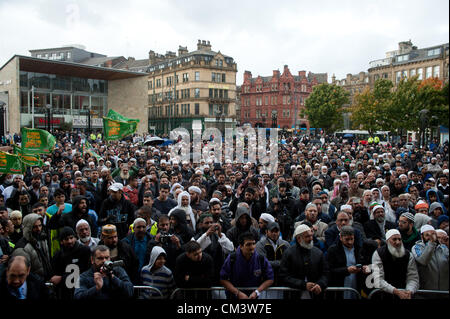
162 279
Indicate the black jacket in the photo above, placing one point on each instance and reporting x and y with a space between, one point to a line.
332 237
373 231
200 273
299 263
337 263
80 255
120 214
36 289
126 253
182 229
234 232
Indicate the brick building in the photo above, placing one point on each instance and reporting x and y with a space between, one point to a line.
276 101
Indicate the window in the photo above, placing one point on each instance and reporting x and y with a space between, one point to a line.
266 100
197 76
434 51
402 58
150 85
197 109
404 74
210 93
158 83
69 55
420 74
398 76
436 71
197 93
412 72
225 94
428 71
223 77
185 77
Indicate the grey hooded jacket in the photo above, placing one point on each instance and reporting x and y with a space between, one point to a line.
432 264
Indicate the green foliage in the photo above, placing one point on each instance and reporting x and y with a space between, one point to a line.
324 107
369 108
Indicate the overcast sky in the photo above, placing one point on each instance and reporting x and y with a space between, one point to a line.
337 37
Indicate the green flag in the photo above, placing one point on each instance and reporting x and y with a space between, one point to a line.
10 163
87 148
119 117
37 141
27 159
116 130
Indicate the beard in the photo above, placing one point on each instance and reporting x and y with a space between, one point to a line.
307 246
325 208
124 176
396 252
86 239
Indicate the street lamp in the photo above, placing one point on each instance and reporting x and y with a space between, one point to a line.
423 115
48 121
2 119
89 121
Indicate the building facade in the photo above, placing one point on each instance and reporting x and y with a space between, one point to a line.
409 61
353 84
194 90
31 85
277 100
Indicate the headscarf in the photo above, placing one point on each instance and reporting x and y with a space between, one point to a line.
187 209
420 220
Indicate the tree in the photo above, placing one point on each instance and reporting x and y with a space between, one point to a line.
369 109
324 107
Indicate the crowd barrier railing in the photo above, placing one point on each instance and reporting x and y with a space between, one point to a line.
419 294
269 293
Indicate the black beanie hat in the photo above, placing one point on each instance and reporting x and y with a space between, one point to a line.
65 232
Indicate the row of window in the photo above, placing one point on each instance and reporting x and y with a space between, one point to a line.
61 83
431 71
197 59
286 113
171 110
274 100
173 79
185 94
274 87
185 109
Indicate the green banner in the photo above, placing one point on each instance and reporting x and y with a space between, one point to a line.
37 141
10 163
28 159
87 148
116 130
119 117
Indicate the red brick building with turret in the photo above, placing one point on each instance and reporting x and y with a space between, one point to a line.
276 101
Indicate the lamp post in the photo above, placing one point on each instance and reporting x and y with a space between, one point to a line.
423 115
2 120
48 121
89 121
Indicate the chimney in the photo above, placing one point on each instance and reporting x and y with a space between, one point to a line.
302 74
247 75
203 45
130 58
276 74
405 46
349 78
182 50
362 76
151 57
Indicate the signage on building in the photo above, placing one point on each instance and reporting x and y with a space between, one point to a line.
82 122
42 121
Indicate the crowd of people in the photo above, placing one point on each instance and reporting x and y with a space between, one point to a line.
334 214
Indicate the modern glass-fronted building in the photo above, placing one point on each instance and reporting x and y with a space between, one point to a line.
29 85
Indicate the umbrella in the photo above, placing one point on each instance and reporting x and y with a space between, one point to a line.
154 140
348 135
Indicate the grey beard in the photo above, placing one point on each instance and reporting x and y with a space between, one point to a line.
396 252
85 239
307 246
325 208
350 222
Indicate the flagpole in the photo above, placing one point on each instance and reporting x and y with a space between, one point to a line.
32 106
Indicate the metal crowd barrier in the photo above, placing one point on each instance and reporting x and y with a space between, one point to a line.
269 293
419 294
140 289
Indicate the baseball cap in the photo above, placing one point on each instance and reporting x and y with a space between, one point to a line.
273 225
116 187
